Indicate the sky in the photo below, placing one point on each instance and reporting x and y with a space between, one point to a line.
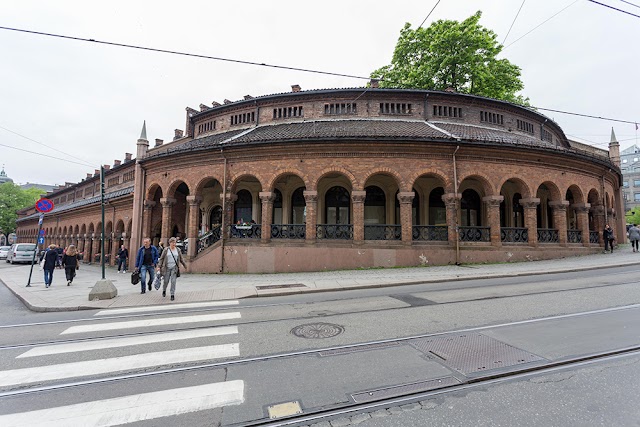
85 102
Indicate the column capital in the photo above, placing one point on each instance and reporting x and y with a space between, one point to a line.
581 207
231 198
194 200
358 196
406 196
167 202
267 196
310 196
451 198
560 205
597 210
493 201
531 202
149 204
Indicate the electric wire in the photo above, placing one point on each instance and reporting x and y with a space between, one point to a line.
614 8
513 22
540 24
586 115
629 3
427 17
44 155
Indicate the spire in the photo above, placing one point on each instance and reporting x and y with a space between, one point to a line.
143 134
613 136
614 149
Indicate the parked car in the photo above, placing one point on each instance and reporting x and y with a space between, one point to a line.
21 252
4 251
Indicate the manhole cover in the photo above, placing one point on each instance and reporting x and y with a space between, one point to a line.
317 330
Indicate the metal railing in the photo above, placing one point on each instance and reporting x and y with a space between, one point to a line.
514 234
288 231
334 231
474 234
209 239
548 235
438 233
594 237
383 232
251 231
574 236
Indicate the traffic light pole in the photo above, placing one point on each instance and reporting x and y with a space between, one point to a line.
102 209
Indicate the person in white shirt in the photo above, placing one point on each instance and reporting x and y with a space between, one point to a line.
169 267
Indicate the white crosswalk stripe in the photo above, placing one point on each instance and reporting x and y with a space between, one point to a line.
150 322
129 409
116 311
128 341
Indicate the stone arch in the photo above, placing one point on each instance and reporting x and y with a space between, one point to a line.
340 171
469 182
203 182
83 230
578 195
152 190
553 190
399 180
446 182
173 187
244 176
270 186
523 188
593 197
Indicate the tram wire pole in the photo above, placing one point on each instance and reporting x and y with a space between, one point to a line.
102 212
33 260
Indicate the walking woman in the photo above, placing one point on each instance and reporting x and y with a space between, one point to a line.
634 236
50 261
123 254
70 263
169 266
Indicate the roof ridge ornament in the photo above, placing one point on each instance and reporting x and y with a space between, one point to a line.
143 134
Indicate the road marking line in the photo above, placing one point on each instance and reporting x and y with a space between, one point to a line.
128 341
116 364
165 307
129 409
150 322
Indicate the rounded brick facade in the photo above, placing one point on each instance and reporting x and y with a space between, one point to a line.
351 178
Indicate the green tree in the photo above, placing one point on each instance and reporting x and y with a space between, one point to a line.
12 199
633 216
452 54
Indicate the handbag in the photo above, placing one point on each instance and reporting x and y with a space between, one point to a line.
135 277
177 265
157 281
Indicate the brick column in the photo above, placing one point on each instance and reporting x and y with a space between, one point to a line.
228 215
406 215
493 215
85 243
598 221
266 197
311 218
114 249
560 219
95 246
530 207
357 199
452 204
146 219
167 205
582 213
192 228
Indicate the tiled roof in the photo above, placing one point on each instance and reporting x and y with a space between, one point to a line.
487 134
83 202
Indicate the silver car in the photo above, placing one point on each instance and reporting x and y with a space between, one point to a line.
21 252
4 251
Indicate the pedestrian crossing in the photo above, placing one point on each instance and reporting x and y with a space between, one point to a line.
195 345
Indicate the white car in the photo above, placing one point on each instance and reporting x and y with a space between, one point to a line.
4 251
21 252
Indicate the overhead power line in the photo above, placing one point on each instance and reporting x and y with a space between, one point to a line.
44 155
629 3
513 22
542 23
427 17
615 8
193 55
587 115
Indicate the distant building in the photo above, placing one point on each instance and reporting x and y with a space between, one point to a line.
630 167
45 187
3 176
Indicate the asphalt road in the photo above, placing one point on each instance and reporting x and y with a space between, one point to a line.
247 364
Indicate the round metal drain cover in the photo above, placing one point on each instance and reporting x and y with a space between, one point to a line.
317 330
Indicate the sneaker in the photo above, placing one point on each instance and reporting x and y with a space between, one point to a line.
172 297
164 294
149 286
68 282
142 292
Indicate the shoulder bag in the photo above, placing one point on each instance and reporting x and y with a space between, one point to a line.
177 265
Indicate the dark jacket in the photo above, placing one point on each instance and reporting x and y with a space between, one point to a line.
163 260
50 258
123 253
140 256
69 261
607 234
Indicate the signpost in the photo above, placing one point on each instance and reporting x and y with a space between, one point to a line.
43 206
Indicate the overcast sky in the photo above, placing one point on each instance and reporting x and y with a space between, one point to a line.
89 100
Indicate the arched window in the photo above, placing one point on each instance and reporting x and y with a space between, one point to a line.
437 210
276 217
337 203
375 206
215 217
243 207
298 207
470 206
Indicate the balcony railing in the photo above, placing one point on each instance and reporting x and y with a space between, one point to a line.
594 237
574 236
383 232
474 234
334 231
251 231
514 235
209 239
547 235
430 233
288 231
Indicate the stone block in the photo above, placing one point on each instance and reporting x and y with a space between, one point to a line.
103 289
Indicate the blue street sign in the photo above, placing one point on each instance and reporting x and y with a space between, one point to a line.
41 240
44 205
42 232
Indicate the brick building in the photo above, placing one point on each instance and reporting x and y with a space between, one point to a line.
350 178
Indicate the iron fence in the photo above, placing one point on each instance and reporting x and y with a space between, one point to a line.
288 231
574 236
514 234
334 231
547 235
430 233
383 232
474 234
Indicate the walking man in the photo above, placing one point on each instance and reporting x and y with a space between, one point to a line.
146 261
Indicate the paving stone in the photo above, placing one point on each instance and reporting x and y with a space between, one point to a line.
428 404
380 413
321 424
341 422
395 410
410 407
360 418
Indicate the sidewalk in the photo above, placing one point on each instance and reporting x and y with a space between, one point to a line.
213 287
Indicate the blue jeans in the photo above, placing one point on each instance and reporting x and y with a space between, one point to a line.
143 275
48 277
122 262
